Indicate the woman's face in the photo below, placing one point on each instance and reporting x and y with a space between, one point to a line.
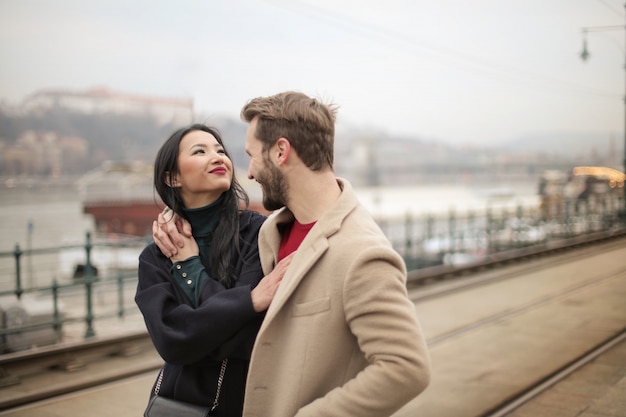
204 170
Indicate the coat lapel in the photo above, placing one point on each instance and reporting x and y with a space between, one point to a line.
312 248
306 256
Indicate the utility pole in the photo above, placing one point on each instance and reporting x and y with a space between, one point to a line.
584 55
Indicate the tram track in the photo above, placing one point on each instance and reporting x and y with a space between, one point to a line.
509 406
522 308
508 271
46 372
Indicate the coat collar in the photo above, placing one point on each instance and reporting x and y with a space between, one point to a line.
312 248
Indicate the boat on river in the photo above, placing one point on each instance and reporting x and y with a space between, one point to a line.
121 198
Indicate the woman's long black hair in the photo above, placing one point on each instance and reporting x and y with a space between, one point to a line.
225 241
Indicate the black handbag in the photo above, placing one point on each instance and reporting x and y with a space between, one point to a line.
166 407
159 406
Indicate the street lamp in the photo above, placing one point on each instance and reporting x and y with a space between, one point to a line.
584 55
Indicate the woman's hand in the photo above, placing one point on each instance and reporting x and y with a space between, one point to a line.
189 249
171 233
263 293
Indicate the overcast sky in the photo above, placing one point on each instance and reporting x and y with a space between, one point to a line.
464 72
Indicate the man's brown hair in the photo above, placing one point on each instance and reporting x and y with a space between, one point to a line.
307 123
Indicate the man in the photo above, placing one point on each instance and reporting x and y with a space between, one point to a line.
340 337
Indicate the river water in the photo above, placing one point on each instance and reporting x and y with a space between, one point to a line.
41 217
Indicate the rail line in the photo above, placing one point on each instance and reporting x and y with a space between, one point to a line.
542 386
522 308
47 372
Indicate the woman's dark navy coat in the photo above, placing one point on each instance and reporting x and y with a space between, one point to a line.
193 341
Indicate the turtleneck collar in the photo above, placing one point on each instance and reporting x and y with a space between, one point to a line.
204 219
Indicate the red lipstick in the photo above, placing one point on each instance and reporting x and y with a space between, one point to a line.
218 170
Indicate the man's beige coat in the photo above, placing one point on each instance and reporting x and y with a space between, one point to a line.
340 338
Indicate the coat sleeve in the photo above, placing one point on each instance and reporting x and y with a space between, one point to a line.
240 345
183 334
382 318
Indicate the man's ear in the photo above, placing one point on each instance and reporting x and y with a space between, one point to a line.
282 148
171 181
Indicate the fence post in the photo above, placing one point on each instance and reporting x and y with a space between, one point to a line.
452 230
588 213
88 284
120 293
18 274
474 235
570 216
430 226
489 216
520 215
55 306
604 224
408 247
574 225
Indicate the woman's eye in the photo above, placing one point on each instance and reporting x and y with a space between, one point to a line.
221 151
198 151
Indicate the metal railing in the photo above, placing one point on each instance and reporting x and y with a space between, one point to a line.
461 237
34 314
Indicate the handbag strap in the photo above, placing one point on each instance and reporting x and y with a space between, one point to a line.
220 380
157 387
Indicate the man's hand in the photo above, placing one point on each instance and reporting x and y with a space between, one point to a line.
263 293
170 232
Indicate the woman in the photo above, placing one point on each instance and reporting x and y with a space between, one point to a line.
203 306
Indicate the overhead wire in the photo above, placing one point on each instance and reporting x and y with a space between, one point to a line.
613 9
448 56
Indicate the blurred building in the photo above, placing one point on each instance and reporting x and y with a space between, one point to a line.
42 153
176 110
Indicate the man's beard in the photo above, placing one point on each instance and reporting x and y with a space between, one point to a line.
274 187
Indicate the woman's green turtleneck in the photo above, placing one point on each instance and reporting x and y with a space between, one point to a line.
191 274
